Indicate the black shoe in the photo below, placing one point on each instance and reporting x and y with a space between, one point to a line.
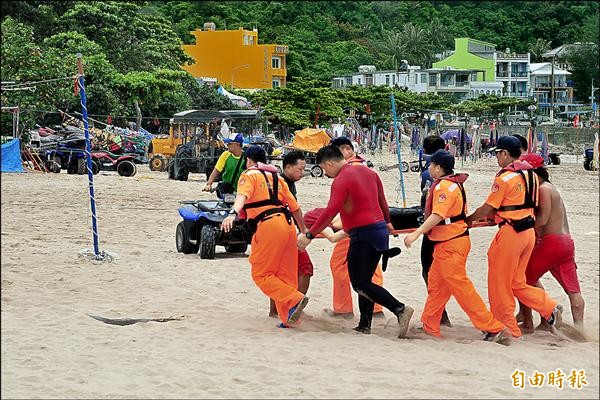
363 329
404 317
555 318
497 337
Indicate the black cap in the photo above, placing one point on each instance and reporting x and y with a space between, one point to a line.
338 141
509 143
256 153
444 159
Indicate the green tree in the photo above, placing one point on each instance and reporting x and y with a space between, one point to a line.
538 48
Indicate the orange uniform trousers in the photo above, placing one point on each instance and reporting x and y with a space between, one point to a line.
448 277
342 289
507 260
274 261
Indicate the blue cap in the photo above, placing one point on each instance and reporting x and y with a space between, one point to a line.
510 143
338 141
239 138
444 159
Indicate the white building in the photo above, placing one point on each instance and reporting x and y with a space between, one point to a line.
512 70
541 81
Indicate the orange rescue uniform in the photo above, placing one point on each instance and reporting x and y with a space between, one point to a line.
448 274
274 254
342 290
510 251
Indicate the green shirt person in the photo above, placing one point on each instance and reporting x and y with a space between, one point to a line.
229 167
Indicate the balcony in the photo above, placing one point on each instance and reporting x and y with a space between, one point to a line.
557 85
512 56
513 74
517 94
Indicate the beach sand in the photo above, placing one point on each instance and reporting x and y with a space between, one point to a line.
225 345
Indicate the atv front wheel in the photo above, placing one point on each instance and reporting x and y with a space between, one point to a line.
182 239
316 171
126 168
208 242
405 166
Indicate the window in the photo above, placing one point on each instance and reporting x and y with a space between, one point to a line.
487 92
359 81
423 78
245 40
276 82
251 40
387 80
276 62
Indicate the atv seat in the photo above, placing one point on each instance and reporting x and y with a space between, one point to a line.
207 205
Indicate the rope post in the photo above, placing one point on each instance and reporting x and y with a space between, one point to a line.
398 148
88 153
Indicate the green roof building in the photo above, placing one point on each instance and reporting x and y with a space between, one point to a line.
472 54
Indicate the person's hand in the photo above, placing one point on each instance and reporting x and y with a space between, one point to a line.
227 223
390 227
303 241
410 239
336 237
207 188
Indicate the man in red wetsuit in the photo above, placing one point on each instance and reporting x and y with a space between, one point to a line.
357 195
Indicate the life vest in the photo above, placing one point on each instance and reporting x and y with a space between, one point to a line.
356 160
459 179
531 185
273 199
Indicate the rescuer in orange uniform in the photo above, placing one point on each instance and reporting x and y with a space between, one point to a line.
511 203
342 294
267 201
445 225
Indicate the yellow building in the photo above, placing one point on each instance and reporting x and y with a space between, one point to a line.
236 59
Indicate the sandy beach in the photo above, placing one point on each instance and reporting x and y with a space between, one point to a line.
225 345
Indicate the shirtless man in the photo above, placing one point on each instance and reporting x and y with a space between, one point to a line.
554 250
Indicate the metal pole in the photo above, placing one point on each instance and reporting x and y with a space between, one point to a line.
398 148
88 152
552 92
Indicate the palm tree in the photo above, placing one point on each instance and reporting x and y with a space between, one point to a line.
538 48
412 44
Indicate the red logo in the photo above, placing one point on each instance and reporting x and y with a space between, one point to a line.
442 198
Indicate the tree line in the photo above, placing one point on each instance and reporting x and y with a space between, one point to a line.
132 49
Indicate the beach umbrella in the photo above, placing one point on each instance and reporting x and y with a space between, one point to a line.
456 134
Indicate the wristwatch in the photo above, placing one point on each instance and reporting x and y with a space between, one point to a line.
233 212
309 235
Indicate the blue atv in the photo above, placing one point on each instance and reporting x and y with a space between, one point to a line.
200 231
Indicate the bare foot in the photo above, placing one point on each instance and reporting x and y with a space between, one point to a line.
526 329
543 326
331 313
520 318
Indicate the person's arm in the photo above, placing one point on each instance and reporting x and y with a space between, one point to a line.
214 175
429 223
216 172
240 200
336 202
300 220
293 205
484 212
336 222
382 201
492 203
544 209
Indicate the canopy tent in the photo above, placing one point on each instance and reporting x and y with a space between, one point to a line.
310 139
235 99
11 156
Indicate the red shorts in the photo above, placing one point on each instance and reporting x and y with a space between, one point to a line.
554 253
305 266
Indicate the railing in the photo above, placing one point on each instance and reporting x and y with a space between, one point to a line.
517 94
556 85
514 74
510 55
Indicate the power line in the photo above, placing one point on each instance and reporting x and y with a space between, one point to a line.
15 85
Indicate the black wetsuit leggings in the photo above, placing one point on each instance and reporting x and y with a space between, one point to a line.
427 248
362 262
